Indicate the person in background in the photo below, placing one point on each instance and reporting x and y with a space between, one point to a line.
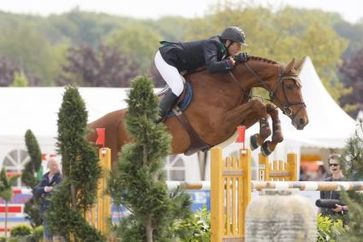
322 173
336 175
303 176
44 190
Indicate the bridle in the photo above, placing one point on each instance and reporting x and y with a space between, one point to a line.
286 107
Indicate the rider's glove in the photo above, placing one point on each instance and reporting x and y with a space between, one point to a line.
241 57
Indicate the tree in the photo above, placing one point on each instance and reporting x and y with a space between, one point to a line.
25 46
352 32
352 159
105 67
77 193
6 193
138 183
31 176
137 41
352 75
20 80
7 72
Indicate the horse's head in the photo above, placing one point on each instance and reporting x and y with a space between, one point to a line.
286 94
282 83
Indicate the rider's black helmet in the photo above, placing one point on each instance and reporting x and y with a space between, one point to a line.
234 33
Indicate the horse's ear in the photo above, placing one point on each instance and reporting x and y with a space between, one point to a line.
289 66
299 64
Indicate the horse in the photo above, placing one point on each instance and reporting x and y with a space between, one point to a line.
220 103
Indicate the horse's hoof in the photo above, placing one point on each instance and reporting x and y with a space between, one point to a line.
265 150
278 137
253 142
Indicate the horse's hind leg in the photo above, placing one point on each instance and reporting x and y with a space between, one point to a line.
269 146
257 140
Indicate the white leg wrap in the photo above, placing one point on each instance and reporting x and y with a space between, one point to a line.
170 74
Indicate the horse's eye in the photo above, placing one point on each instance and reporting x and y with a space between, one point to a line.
290 87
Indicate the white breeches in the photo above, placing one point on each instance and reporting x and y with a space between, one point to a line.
170 74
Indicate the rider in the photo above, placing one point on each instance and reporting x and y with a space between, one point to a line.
218 53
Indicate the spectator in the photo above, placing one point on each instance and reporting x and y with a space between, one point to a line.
44 190
322 173
336 175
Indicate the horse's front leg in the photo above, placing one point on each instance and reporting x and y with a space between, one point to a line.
269 146
257 140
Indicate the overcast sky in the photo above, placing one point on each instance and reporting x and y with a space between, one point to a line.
351 10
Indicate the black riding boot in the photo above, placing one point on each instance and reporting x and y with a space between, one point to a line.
166 103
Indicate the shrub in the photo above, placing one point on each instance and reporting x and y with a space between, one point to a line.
20 230
38 233
194 229
328 229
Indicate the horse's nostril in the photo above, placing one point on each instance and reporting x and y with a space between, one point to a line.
302 121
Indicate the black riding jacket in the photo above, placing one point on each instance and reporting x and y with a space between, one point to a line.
188 56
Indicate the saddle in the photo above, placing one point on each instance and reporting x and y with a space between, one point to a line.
183 102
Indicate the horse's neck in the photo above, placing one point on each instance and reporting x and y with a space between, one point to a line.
259 74
229 89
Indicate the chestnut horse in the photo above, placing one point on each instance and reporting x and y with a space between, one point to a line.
220 103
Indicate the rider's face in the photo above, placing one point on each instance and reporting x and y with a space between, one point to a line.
234 48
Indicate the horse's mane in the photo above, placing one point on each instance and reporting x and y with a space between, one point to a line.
257 58
250 57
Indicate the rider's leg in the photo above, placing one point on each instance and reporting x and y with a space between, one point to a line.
174 80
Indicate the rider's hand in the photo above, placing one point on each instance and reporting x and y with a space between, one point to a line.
241 57
233 61
338 208
48 189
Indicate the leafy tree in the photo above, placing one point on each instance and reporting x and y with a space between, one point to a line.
138 183
352 159
31 177
352 76
171 28
26 47
20 80
77 193
137 41
354 231
105 67
352 32
80 28
7 72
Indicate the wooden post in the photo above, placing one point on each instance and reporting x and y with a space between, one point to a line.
292 166
245 159
217 195
264 167
103 200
